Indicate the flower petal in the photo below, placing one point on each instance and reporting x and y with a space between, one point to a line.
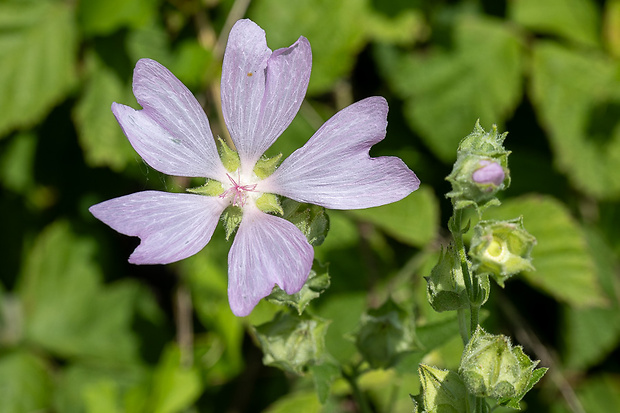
171 226
267 250
172 132
261 91
333 168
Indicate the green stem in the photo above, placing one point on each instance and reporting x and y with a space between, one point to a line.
463 325
358 395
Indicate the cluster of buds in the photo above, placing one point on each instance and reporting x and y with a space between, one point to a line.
480 170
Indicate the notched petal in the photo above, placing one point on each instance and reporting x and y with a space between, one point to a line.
267 251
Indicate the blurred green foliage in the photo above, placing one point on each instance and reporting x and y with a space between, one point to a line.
81 330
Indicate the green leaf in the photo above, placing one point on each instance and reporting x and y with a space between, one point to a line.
413 220
317 283
175 387
38 48
446 91
25 383
17 163
590 334
576 20
67 310
324 375
101 17
344 311
99 134
302 402
335 49
584 135
84 387
564 267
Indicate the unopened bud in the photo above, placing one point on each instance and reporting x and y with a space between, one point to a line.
492 367
491 173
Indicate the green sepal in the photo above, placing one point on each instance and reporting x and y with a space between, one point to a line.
312 220
442 390
446 287
386 334
231 217
229 157
293 343
266 166
269 203
318 281
210 188
502 248
492 367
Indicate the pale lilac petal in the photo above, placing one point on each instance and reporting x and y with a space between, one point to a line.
333 168
261 91
171 133
267 250
171 226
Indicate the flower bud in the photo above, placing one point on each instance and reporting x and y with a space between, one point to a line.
502 248
490 173
385 334
480 170
492 367
446 287
292 343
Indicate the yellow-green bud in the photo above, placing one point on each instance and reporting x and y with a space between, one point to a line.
492 367
502 248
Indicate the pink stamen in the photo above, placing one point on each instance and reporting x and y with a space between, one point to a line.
240 196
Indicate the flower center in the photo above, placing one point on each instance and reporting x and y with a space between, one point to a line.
238 191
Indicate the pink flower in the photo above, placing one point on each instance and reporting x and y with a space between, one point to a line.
489 173
261 94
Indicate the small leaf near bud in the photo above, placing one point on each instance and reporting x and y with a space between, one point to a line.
442 390
266 166
318 281
446 287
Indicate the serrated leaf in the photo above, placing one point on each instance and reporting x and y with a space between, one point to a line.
446 91
338 47
584 135
564 267
101 17
590 334
413 220
77 385
67 310
38 48
25 383
99 134
576 20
